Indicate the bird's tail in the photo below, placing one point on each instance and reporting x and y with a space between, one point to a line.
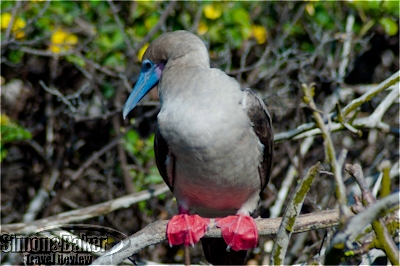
216 253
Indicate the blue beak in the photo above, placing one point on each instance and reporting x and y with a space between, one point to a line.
148 78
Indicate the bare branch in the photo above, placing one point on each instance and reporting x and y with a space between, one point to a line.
329 151
114 10
380 229
395 78
292 212
155 233
309 129
346 46
85 213
357 224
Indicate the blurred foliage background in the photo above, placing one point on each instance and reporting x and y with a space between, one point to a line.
67 68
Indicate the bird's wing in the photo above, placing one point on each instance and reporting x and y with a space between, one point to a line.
164 159
262 125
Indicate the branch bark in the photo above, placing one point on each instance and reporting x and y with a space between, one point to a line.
356 225
155 233
84 213
330 153
291 213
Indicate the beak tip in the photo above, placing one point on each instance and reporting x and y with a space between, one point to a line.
125 113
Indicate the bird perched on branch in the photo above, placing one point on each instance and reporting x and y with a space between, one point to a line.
213 145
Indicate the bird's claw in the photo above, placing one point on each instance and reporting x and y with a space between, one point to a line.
239 231
186 229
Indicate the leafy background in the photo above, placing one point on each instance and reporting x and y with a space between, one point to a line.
67 68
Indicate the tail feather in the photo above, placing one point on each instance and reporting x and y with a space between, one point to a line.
216 253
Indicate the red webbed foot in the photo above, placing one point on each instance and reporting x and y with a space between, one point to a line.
186 229
239 231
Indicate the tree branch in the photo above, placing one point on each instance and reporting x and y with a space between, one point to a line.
330 153
309 129
84 213
292 212
381 232
155 233
356 225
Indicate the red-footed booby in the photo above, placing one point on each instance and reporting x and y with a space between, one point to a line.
213 145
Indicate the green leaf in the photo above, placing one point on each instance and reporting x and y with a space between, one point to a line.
389 25
115 60
391 7
324 18
3 153
15 56
154 179
151 21
161 197
142 206
107 90
4 5
10 132
132 137
94 3
241 16
76 60
13 132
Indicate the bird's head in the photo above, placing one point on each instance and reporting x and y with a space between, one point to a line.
179 48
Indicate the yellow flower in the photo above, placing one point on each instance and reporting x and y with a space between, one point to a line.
55 49
58 37
4 119
142 51
310 9
5 20
202 28
62 41
139 145
71 39
260 33
16 28
19 23
211 12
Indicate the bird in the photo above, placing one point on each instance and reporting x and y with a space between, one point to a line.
213 145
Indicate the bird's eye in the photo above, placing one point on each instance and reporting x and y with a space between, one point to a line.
147 64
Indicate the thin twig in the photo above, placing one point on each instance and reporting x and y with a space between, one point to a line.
303 130
381 231
392 80
57 93
48 53
291 173
346 46
128 182
154 30
330 152
81 170
128 43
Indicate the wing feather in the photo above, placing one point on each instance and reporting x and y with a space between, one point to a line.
164 159
262 125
